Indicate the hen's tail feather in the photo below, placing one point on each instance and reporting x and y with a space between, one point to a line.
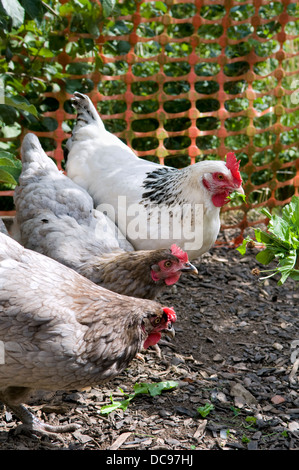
87 113
3 228
32 151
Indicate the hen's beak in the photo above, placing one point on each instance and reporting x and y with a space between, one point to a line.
169 331
189 268
240 190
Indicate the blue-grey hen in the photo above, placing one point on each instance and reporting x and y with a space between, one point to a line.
60 331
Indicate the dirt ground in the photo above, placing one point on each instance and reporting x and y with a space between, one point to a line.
236 348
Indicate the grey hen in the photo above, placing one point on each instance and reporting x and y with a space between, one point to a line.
60 331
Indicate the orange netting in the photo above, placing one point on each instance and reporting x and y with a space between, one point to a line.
221 79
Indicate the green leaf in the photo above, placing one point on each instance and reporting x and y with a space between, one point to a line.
123 405
14 10
34 8
21 103
290 213
155 388
295 274
4 161
235 195
265 211
268 239
286 265
41 52
8 115
265 256
5 154
251 419
152 389
6 177
140 388
13 171
205 410
161 6
280 228
242 247
262 237
10 168
108 6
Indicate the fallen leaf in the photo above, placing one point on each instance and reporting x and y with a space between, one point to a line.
119 441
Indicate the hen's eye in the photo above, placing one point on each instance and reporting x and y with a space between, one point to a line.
167 264
157 321
220 177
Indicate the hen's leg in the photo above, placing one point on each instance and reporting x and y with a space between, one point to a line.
12 396
32 424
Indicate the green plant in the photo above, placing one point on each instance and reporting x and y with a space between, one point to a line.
237 197
280 242
152 389
235 411
251 420
10 169
205 410
29 45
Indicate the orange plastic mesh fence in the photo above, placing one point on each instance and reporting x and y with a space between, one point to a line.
181 81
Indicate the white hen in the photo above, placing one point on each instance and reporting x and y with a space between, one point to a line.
153 205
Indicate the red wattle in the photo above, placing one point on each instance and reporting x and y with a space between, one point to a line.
169 281
220 199
152 339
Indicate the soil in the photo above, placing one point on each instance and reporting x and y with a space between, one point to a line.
236 349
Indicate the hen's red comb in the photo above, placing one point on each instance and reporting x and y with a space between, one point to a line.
171 315
179 253
233 165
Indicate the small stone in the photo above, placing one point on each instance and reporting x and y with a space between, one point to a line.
8 416
223 434
218 358
222 397
277 399
242 395
160 441
185 411
293 426
177 360
252 445
247 381
164 413
200 430
173 442
83 438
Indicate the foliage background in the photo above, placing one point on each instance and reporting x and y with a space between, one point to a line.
178 81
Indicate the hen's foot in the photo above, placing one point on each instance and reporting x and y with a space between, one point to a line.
32 425
42 429
157 350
